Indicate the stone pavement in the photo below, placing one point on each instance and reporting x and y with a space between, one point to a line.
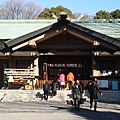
29 105
49 110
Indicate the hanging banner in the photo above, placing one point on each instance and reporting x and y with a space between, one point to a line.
5 74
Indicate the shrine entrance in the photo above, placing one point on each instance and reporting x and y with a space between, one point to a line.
80 66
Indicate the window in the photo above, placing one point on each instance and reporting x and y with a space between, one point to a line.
23 64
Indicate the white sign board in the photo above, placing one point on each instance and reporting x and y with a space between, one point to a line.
102 83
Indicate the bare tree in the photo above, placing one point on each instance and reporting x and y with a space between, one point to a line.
17 9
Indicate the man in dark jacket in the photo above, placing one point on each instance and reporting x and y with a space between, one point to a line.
77 93
82 86
54 86
93 90
46 89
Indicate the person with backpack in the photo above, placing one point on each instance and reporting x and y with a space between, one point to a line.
93 90
46 89
76 94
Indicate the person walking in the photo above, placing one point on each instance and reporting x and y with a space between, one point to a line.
62 81
58 83
70 79
54 86
93 90
46 89
82 87
76 94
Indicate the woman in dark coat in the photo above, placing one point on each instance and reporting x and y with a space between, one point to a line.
54 87
77 93
93 90
46 89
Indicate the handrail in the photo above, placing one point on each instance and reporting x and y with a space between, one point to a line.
17 69
19 72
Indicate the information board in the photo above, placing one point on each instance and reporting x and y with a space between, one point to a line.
102 83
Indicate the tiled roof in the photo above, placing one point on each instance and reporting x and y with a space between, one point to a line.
109 29
10 29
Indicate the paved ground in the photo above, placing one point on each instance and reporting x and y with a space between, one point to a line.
50 110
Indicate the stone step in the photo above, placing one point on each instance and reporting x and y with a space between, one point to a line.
29 95
32 95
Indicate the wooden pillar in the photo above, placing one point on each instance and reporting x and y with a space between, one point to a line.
36 67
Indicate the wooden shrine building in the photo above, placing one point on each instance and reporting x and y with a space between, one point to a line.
60 46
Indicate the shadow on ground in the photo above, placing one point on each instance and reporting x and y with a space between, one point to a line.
90 114
99 115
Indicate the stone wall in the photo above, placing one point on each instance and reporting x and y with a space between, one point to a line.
108 96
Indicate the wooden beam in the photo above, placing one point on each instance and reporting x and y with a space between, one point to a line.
80 36
80 46
32 44
50 34
20 46
67 53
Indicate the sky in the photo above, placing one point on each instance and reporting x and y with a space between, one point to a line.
89 7
83 6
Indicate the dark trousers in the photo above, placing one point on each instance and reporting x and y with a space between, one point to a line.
54 93
91 102
70 85
46 95
77 104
